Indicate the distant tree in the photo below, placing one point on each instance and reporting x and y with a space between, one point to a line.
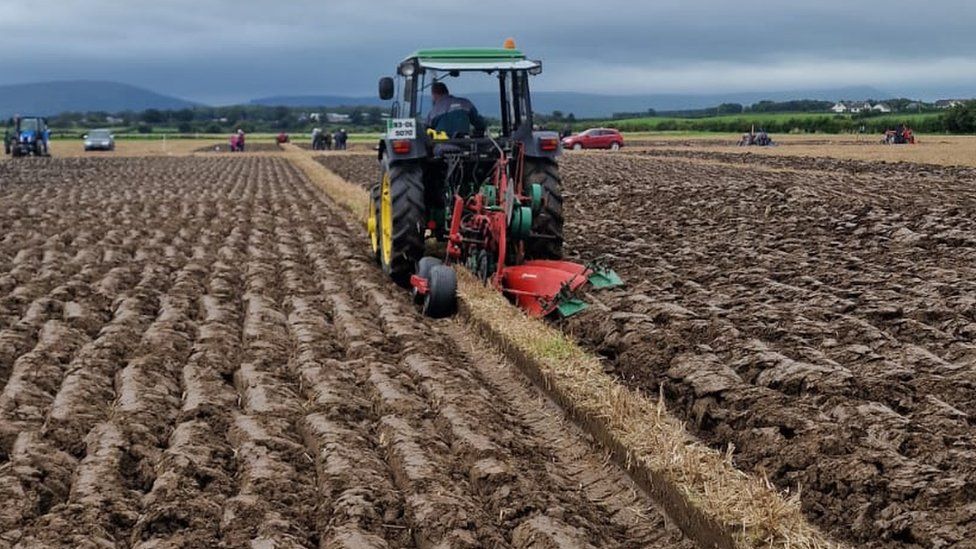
729 108
961 118
557 115
144 128
152 116
184 127
280 113
799 105
183 115
570 117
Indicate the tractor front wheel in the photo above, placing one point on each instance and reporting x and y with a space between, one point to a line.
424 266
441 298
401 219
546 239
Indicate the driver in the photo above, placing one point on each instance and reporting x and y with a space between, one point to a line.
453 115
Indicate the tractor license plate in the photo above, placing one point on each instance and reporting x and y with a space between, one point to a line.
401 128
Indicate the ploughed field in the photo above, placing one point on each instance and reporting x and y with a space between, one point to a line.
199 352
817 316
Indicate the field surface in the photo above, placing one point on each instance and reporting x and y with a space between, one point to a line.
817 316
197 352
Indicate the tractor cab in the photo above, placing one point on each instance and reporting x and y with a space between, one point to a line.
489 193
408 136
28 136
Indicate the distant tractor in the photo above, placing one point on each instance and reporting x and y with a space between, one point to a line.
492 199
756 139
28 136
902 135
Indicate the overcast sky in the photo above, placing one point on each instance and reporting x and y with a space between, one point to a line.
219 51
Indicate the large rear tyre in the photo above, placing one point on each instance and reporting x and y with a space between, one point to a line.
441 300
402 215
546 240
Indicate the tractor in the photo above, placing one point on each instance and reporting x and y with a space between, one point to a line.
490 201
902 135
30 136
756 139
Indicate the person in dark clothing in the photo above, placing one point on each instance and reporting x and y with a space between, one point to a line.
454 116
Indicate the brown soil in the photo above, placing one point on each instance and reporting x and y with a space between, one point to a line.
361 169
818 316
199 352
851 167
248 147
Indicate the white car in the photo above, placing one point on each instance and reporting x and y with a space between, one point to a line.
99 140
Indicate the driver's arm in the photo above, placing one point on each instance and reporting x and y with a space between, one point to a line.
477 122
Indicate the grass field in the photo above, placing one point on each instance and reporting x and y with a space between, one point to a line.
773 121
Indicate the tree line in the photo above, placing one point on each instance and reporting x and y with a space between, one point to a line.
960 119
250 118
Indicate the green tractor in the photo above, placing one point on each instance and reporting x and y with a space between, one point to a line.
492 199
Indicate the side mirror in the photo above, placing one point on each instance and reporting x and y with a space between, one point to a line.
386 88
85 136
111 136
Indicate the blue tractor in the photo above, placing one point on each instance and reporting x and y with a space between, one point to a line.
29 136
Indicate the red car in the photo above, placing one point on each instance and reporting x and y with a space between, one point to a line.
595 138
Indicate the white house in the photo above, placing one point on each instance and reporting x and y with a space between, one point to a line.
335 118
949 103
851 107
881 107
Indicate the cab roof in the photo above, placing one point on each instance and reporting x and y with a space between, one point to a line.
471 59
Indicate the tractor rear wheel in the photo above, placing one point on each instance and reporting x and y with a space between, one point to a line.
546 240
402 215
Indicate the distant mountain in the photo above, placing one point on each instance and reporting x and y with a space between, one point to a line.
50 98
590 105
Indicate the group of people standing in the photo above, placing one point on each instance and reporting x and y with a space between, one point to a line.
324 141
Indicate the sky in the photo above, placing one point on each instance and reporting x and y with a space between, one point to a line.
222 52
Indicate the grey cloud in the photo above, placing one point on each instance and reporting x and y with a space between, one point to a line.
221 50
